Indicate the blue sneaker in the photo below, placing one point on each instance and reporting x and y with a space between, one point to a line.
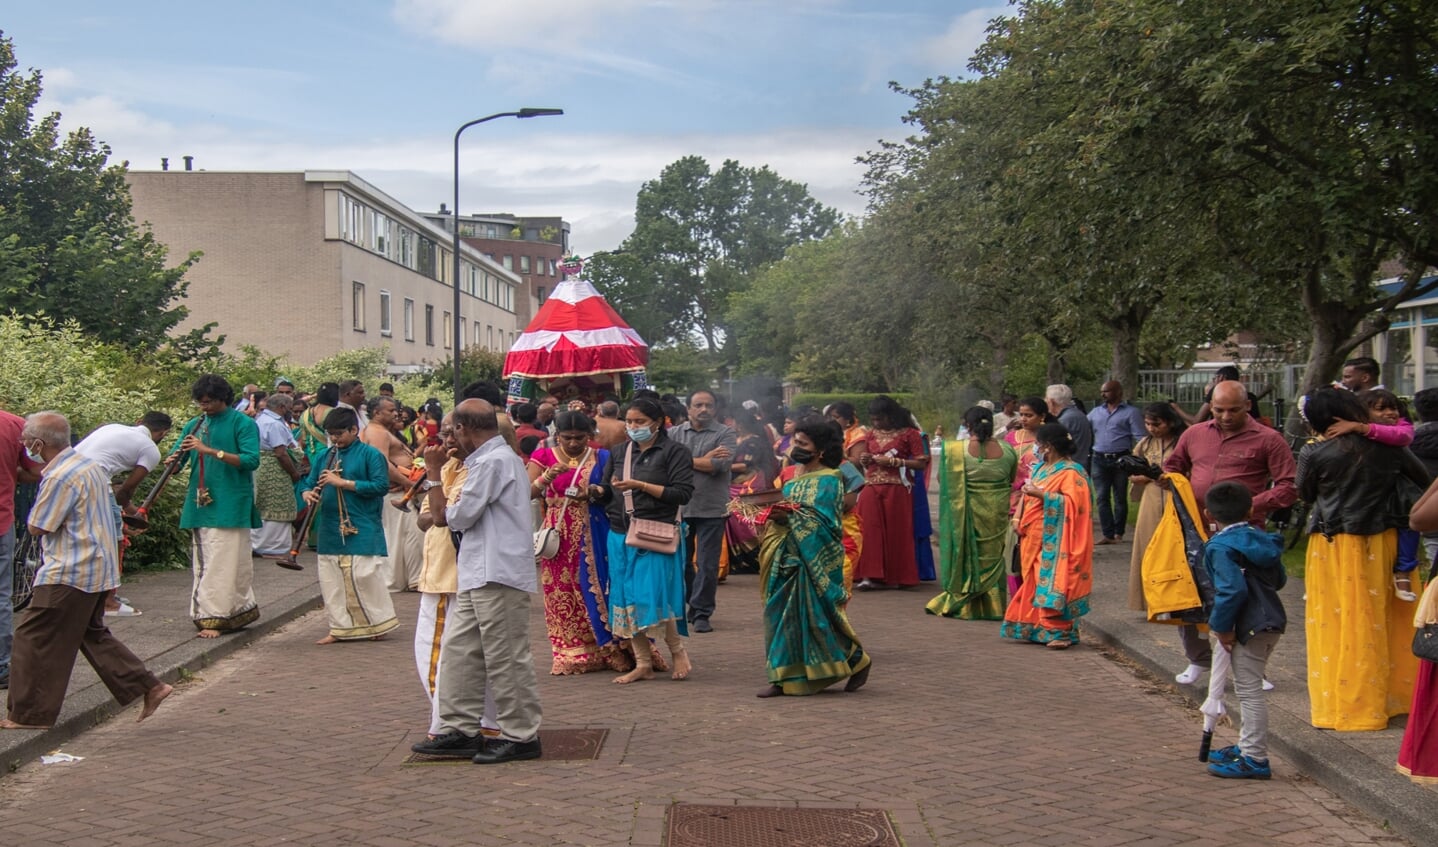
1241 768
1230 753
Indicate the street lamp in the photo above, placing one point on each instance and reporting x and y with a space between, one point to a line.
458 332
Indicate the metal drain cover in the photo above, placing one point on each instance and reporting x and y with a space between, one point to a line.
767 826
560 745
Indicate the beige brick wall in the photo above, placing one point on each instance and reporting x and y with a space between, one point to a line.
269 277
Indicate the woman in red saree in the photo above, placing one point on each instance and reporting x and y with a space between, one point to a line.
891 450
1055 526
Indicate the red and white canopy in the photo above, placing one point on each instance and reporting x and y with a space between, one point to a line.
576 333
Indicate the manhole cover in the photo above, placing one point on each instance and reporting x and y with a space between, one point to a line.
560 745
760 826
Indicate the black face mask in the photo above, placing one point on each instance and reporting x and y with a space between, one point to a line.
800 456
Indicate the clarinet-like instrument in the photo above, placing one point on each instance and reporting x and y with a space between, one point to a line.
141 517
291 560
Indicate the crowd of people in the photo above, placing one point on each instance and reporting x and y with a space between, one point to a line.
624 519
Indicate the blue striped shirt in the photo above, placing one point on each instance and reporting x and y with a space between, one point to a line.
81 545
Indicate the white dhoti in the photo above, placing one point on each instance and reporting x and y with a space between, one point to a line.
272 538
405 542
222 597
356 597
428 636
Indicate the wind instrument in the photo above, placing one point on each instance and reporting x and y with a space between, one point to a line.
291 560
140 519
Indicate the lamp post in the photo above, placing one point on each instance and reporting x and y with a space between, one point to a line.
458 332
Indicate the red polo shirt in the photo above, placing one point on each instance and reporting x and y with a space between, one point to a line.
12 457
1253 456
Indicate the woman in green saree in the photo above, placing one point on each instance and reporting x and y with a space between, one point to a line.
810 642
975 478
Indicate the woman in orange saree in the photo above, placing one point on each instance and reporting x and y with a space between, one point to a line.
1055 525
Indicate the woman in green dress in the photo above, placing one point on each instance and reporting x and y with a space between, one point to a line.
975 478
810 644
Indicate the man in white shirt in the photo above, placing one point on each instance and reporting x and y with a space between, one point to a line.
486 641
130 450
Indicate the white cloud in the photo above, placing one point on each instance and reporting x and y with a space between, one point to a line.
951 50
485 25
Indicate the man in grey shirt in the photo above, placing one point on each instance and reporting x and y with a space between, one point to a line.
712 445
486 640
1060 399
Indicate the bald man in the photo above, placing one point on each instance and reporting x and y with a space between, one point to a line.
1232 447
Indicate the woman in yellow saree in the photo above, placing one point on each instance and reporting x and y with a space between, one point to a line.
974 482
1055 526
810 643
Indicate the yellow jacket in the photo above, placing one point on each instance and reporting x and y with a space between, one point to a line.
1168 586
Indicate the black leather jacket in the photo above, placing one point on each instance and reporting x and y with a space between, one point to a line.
1357 486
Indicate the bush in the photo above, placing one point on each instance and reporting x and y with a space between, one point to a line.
56 366
859 399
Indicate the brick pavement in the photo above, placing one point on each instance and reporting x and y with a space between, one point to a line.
964 738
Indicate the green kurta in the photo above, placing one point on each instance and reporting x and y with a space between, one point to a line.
365 505
232 489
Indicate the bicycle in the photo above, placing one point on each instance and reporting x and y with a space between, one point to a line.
25 563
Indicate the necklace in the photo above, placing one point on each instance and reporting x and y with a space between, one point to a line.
563 455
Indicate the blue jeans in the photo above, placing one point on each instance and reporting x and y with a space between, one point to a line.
701 580
1110 484
7 588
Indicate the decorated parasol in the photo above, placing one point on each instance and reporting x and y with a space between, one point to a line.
576 335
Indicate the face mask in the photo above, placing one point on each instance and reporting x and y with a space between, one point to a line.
33 456
1038 454
800 456
640 436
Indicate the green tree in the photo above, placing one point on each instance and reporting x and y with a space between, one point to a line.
69 246
699 235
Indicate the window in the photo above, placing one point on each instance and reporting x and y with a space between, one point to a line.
553 268
426 262
357 306
429 325
384 326
524 264
351 220
539 292
509 263
448 331
491 338
408 319
406 248
462 331
477 340
379 232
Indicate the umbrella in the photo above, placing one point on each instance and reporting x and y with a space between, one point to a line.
1212 708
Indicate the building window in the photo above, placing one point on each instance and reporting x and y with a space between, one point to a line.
553 268
408 319
357 306
426 262
490 345
509 263
384 325
477 340
524 264
429 325
406 248
539 292
448 331
462 332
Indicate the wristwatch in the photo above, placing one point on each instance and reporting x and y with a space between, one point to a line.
220 454
425 486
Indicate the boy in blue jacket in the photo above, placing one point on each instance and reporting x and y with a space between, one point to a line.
1247 626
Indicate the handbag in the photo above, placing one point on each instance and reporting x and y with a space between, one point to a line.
646 534
1425 639
546 538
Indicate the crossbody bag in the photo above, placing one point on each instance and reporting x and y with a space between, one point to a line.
645 534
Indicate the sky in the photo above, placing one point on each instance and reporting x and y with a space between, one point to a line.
378 87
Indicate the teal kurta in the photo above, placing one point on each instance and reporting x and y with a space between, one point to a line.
232 489
364 506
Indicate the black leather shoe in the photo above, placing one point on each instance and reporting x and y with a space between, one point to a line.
502 750
452 745
702 625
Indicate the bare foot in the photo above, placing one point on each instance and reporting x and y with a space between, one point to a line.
1059 645
153 698
639 673
328 639
771 691
208 633
9 724
682 667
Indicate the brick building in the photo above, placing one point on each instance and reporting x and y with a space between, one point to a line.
530 247
307 264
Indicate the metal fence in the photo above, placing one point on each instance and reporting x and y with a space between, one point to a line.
1187 387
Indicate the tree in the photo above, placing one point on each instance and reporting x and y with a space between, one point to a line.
69 246
699 235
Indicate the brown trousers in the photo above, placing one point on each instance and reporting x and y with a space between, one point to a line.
60 622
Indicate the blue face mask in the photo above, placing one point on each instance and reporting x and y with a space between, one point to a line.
34 457
641 436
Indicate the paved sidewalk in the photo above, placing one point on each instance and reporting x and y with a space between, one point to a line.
164 637
962 738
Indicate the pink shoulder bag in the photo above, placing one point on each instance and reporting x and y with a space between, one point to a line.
645 534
